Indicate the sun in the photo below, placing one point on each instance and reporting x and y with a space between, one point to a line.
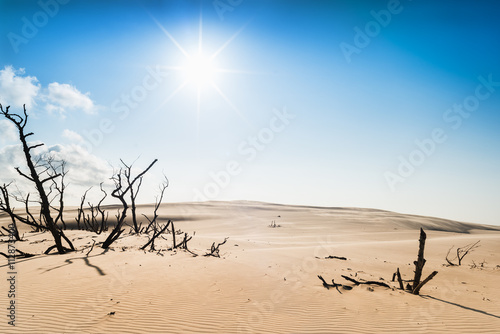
199 70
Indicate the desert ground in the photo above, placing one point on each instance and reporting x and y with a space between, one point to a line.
266 279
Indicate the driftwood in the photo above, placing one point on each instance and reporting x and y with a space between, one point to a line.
350 279
336 257
365 282
214 250
414 288
328 286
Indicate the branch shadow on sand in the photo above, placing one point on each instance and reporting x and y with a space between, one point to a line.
86 260
462 306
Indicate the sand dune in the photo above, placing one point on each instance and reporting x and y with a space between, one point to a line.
266 279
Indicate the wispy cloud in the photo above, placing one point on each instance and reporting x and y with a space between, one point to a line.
17 89
72 136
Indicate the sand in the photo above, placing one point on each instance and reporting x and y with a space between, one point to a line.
266 278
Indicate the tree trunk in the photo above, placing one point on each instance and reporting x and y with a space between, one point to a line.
419 264
44 201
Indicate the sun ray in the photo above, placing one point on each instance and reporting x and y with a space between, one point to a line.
198 104
175 68
177 90
227 70
214 85
200 70
200 33
216 53
170 36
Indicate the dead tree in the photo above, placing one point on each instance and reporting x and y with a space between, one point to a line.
58 188
5 207
39 179
420 262
152 221
184 243
416 285
273 224
400 280
156 233
173 236
97 219
461 253
81 213
29 219
120 192
214 250
127 173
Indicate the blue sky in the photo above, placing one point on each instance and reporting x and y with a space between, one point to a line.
285 114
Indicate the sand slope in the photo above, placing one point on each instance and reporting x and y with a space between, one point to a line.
266 280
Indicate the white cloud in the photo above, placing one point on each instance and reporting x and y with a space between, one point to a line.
16 89
84 169
63 97
8 131
72 136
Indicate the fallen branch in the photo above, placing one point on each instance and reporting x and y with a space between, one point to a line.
365 282
214 250
23 254
328 286
431 276
336 257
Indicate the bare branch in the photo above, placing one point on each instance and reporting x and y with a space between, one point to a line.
50 178
35 146
421 284
155 235
328 286
214 250
366 282
22 174
120 193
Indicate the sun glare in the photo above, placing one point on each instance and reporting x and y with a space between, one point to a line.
199 70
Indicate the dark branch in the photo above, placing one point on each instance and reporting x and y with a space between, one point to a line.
35 146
